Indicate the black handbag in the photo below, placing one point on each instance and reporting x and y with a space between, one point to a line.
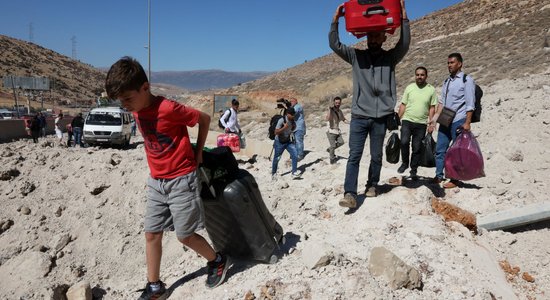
393 122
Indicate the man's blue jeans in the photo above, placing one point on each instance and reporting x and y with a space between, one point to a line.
77 132
444 137
360 129
279 148
299 135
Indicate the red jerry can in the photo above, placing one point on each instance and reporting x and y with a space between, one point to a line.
231 140
364 16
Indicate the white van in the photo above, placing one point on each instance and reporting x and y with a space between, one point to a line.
6 114
108 125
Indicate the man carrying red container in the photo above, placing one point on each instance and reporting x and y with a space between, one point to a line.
374 99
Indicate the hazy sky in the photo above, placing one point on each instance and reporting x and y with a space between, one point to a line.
238 35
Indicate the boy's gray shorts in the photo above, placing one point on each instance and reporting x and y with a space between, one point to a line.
174 202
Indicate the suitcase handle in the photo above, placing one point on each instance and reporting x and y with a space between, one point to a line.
367 2
375 10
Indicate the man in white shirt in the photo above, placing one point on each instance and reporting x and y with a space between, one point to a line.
58 130
230 120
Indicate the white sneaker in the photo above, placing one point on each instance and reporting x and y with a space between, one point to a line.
274 177
296 174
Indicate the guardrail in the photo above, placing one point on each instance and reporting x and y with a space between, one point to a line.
14 129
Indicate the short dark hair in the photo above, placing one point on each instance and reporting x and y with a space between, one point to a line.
235 102
421 68
291 111
456 55
124 75
337 98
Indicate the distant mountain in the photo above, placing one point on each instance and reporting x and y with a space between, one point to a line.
205 79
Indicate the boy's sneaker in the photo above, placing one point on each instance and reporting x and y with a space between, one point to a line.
150 294
348 201
296 174
217 270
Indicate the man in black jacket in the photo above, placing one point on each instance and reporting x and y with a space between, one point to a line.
77 124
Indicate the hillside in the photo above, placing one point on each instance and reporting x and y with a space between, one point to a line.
498 39
70 80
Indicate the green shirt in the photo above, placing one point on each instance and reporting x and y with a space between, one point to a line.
417 102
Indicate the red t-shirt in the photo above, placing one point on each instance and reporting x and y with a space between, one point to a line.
163 126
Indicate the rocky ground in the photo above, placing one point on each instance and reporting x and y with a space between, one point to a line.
74 215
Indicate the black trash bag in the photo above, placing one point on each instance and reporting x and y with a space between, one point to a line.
427 152
393 148
393 122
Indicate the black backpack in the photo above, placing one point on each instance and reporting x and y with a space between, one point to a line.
226 119
272 124
476 114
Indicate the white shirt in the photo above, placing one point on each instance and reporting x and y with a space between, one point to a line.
57 123
233 122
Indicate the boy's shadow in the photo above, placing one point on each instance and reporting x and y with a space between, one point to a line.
289 241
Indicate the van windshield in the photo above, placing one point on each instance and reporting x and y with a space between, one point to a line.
104 118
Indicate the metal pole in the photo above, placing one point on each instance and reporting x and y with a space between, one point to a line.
15 96
149 40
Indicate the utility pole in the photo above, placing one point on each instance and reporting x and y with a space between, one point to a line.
73 40
31 33
15 96
149 40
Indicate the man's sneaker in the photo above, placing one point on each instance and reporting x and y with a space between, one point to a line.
450 184
413 175
217 270
370 191
150 294
402 168
348 201
274 177
296 174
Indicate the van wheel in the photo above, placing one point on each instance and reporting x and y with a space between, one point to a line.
127 143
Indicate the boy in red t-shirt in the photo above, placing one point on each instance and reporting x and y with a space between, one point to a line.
173 188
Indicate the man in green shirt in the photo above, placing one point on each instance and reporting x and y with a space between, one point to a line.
416 111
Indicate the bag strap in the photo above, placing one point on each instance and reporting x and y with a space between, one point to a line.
448 81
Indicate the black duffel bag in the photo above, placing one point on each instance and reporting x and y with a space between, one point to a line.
427 152
393 148
220 163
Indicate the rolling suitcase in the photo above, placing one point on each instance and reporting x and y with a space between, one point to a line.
364 16
238 222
